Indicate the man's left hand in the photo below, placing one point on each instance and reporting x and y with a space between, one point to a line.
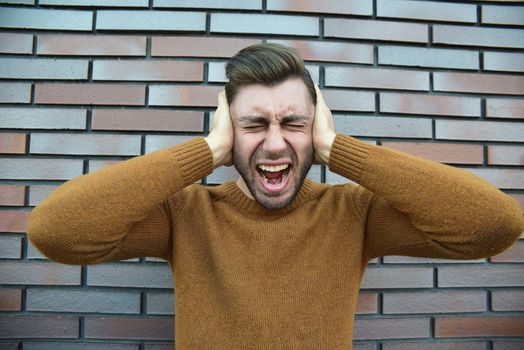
323 130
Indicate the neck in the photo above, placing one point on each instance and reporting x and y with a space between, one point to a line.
243 187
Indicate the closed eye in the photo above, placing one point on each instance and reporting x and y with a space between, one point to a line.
294 126
253 127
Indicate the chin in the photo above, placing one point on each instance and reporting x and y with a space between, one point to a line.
272 203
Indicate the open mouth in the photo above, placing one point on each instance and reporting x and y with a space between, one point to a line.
274 178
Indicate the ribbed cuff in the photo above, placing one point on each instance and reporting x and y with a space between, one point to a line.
348 157
195 159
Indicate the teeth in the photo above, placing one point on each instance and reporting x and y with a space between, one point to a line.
273 169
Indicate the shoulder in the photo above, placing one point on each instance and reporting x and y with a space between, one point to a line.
344 195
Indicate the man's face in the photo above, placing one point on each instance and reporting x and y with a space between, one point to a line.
273 147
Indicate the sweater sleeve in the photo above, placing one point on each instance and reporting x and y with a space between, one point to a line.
416 207
118 212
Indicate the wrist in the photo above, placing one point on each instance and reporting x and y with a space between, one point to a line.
219 155
324 151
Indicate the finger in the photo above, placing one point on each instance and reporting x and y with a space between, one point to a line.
222 99
320 97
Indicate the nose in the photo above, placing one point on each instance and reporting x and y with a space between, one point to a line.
274 141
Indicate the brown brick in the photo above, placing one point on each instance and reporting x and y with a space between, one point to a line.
479 130
452 153
423 10
13 220
330 51
455 345
505 155
391 328
39 327
10 299
482 276
38 193
504 61
364 8
47 345
148 70
478 83
377 78
43 273
496 326
160 303
16 43
12 143
507 300
201 96
514 254
508 345
194 46
43 118
156 120
57 300
367 303
12 195
94 144
375 30
398 277
344 100
91 45
130 275
97 94
383 126
15 93
429 104
476 36
40 169
504 108
512 15
502 178
10 247
129 328
424 302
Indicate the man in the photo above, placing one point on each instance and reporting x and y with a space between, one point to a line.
272 260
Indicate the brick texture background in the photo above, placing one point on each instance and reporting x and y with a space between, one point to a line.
87 83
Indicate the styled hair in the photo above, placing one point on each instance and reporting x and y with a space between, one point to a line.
267 64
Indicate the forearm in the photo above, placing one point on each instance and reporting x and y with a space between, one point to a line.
93 213
446 204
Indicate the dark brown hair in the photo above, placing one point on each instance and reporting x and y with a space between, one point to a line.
266 64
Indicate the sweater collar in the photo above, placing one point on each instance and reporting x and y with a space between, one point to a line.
238 199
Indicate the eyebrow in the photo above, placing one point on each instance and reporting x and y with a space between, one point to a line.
295 118
252 119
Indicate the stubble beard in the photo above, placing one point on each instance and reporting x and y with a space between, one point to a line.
249 174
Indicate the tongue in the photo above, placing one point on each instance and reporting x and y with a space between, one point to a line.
273 175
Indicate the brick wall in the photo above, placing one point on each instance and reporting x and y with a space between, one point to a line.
87 83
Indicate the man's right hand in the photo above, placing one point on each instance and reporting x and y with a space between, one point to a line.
220 138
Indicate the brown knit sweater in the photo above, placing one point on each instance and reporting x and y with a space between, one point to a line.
250 278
